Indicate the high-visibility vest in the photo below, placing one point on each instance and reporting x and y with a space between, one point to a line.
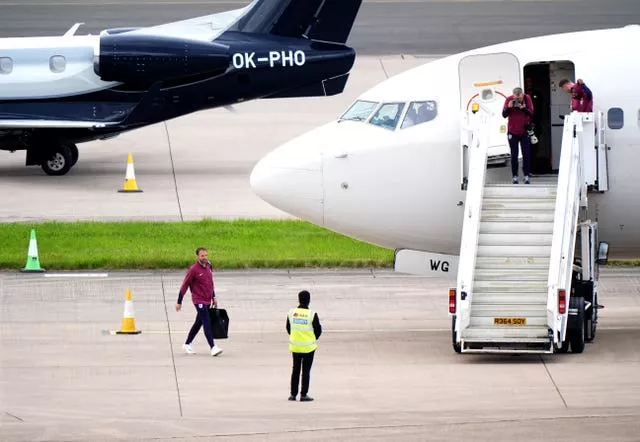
302 339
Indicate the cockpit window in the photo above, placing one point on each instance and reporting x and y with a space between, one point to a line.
388 115
420 112
359 111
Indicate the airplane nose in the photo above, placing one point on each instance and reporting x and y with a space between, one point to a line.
290 179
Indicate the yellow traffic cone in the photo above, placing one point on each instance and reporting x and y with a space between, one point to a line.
130 184
33 262
128 318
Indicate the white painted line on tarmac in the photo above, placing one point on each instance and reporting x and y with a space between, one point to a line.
76 275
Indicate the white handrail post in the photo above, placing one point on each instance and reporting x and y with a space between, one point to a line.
471 222
571 189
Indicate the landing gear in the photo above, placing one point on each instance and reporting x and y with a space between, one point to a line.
60 159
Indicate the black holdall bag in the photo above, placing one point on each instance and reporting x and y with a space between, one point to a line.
219 322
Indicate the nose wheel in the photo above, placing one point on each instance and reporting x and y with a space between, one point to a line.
60 159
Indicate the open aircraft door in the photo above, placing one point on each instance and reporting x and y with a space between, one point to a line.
487 80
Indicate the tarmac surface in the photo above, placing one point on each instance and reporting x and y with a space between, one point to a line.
384 369
386 27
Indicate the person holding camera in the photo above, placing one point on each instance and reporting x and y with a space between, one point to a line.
518 108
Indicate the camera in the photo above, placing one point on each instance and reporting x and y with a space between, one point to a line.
516 102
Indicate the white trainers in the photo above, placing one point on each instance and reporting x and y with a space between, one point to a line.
188 349
215 350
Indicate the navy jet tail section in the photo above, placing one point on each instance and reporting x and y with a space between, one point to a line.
319 20
56 92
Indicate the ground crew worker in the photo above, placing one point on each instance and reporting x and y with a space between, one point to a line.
304 329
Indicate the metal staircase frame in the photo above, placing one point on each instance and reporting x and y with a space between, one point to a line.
571 197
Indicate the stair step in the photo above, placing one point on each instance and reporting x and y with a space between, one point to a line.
524 274
543 251
506 334
502 286
518 204
512 262
517 216
516 227
520 191
515 239
500 298
509 311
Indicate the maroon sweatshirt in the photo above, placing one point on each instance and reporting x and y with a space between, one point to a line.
518 118
199 280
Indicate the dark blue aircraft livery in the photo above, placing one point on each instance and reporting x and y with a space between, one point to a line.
56 92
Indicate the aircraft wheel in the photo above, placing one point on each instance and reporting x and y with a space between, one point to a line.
59 162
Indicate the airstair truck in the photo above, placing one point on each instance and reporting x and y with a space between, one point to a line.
528 271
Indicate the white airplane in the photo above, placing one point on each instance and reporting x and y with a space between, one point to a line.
388 171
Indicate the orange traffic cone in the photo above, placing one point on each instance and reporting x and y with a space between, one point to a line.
130 184
128 318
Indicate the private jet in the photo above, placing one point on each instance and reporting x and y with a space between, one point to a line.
397 169
56 92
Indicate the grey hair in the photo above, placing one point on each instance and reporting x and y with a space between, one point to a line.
517 90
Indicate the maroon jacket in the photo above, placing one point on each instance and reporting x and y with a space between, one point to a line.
581 98
199 280
519 119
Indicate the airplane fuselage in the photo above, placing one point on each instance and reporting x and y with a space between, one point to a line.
400 187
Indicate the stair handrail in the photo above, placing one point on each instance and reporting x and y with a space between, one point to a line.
477 154
571 187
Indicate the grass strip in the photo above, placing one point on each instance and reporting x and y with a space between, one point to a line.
169 245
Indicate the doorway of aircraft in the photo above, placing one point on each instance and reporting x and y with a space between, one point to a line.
550 104
486 80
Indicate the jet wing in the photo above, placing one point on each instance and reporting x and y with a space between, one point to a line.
51 124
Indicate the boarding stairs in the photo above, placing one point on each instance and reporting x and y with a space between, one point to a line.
517 247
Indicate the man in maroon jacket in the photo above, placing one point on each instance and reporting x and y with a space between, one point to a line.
199 280
581 95
518 108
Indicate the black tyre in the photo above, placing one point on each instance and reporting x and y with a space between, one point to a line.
456 345
74 153
59 162
564 347
576 335
591 321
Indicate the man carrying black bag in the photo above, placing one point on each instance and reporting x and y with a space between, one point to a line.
199 280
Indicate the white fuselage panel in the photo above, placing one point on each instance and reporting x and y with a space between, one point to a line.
49 67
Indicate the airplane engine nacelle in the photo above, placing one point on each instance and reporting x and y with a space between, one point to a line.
144 59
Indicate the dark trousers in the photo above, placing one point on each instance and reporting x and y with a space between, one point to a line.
202 320
525 145
304 361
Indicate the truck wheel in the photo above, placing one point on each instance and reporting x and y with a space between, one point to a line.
456 345
59 162
576 335
591 321
563 348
